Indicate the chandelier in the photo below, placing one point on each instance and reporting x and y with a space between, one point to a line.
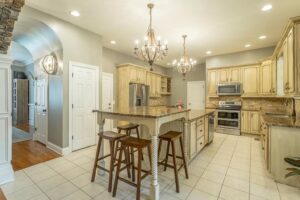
185 64
152 49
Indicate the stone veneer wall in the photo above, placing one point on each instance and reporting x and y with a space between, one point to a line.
9 12
278 105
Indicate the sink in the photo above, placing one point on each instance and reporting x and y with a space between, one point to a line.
278 115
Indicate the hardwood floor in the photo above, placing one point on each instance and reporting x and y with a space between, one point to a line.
2 197
25 127
28 153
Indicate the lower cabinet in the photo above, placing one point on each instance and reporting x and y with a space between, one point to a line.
250 122
197 137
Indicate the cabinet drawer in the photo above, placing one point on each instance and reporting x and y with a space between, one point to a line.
200 121
200 144
200 131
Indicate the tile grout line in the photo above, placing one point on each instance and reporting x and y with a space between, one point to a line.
227 170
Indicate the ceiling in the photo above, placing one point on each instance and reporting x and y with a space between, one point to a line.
219 26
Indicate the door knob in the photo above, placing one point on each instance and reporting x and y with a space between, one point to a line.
44 110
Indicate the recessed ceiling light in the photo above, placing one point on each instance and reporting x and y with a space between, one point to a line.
113 42
247 45
267 7
75 13
262 37
208 52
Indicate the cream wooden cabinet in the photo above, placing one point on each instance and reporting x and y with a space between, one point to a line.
267 79
229 75
137 75
250 80
193 139
212 82
197 136
288 56
154 81
250 122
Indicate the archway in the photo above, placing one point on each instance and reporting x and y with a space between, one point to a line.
36 108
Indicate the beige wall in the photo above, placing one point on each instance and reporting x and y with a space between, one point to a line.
179 86
239 58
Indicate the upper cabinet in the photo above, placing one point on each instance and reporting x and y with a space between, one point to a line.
154 81
229 75
268 77
250 80
137 75
212 78
289 70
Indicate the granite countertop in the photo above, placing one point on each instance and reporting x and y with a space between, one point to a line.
195 114
146 111
272 120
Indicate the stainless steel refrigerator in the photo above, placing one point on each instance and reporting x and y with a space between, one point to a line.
138 94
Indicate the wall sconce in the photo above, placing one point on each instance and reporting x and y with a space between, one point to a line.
49 64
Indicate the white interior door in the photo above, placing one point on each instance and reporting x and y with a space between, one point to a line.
41 110
108 97
6 172
196 95
84 100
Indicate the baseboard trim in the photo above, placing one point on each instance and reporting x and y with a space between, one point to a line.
57 149
6 173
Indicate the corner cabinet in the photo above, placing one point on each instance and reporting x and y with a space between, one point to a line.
250 80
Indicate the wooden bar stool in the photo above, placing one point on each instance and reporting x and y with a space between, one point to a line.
112 137
128 128
139 144
171 137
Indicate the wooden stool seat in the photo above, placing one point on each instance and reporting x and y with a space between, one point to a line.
127 127
135 142
139 144
113 138
171 137
110 135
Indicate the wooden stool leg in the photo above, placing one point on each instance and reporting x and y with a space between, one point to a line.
175 166
139 175
127 160
118 172
112 163
183 157
150 157
132 164
167 156
119 130
96 158
138 136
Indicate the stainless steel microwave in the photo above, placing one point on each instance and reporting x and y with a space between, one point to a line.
229 89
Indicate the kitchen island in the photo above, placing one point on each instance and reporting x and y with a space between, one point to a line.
153 118
281 139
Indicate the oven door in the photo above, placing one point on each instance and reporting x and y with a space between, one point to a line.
229 89
230 124
228 119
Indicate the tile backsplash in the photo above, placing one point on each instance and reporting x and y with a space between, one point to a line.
278 105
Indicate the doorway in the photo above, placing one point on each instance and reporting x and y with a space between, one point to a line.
84 98
196 95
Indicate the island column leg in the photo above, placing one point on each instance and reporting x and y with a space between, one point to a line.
154 192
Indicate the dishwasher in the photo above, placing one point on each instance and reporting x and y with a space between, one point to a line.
211 127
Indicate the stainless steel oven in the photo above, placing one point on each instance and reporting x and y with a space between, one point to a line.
229 89
229 117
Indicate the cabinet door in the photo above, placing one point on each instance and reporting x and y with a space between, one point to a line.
244 121
133 75
274 76
234 75
193 139
158 85
212 82
266 78
223 76
250 77
141 76
290 62
254 122
153 86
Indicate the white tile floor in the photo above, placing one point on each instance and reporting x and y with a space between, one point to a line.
231 168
